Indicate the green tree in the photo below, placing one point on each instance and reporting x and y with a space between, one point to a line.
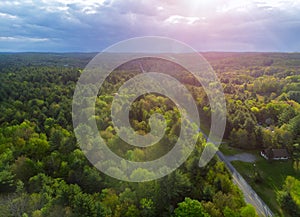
227 212
24 168
147 207
190 208
294 126
289 197
248 211
6 174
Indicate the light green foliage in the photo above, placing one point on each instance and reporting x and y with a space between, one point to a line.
289 197
190 208
227 212
248 211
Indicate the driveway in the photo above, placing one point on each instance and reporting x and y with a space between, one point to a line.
245 157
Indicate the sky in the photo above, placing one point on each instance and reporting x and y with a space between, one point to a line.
205 25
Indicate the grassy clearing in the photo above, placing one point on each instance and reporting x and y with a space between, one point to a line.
228 150
272 175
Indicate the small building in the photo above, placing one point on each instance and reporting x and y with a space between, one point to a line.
275 154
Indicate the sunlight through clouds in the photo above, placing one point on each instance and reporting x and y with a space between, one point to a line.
225 25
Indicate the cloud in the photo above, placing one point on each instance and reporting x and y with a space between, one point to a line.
177 19
23 39
75 25
7 16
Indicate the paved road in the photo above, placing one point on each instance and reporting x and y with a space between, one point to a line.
250 195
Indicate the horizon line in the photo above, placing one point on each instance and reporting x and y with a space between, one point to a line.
93 52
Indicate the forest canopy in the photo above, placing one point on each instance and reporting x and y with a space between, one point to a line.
43 171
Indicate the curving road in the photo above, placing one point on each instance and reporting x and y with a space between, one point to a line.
250 195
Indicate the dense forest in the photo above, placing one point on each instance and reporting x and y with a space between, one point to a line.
43 171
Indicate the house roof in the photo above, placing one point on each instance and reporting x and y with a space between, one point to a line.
280 153
277 153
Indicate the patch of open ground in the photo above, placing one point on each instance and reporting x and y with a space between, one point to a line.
272 173
244 157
